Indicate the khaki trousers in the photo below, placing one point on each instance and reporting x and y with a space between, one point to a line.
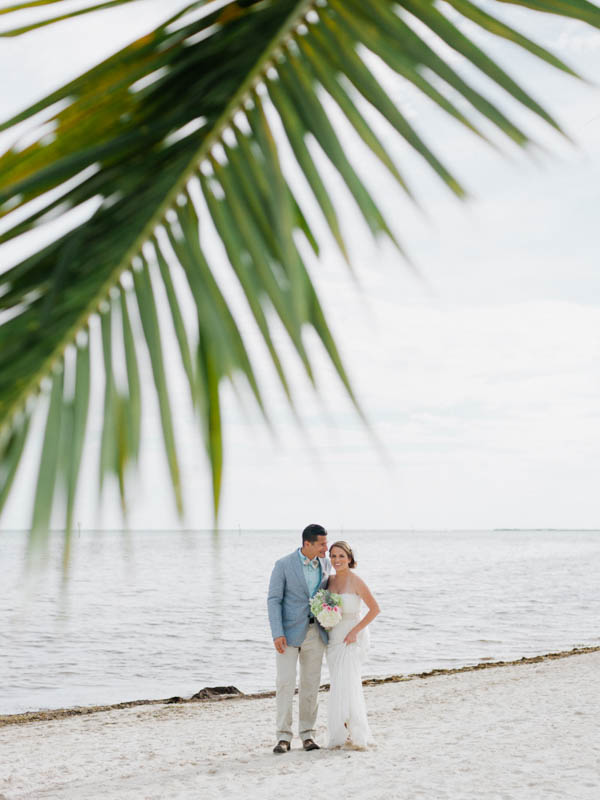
310 655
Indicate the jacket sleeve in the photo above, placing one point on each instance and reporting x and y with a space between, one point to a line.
275 600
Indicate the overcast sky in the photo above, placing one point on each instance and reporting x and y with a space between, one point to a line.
481 381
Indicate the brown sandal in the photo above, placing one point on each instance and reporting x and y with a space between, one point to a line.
310 744
282 746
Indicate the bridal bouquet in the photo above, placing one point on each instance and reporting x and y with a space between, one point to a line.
327 608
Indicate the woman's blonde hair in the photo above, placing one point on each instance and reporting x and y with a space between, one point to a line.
347 549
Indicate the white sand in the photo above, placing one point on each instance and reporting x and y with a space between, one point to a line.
529 731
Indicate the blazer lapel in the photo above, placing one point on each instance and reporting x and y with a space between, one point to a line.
297 569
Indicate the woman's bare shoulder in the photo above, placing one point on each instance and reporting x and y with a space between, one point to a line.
357 582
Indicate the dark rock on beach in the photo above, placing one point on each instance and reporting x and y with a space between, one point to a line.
215 691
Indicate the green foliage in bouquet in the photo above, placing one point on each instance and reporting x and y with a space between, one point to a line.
324 598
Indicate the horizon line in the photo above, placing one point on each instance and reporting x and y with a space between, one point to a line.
296 530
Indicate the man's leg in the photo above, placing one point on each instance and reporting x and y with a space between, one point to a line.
311 659
286 686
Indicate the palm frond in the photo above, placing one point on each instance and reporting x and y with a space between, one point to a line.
177 130
70 14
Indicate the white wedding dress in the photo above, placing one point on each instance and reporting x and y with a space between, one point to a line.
347 713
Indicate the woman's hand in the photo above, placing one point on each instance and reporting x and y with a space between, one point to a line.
351 637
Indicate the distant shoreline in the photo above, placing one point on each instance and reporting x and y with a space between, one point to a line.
62 713
544 530
294 531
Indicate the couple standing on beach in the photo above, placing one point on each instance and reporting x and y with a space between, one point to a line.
298 636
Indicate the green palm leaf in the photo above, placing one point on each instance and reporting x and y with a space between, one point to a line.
173 135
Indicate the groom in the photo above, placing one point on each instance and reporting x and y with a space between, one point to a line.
297 635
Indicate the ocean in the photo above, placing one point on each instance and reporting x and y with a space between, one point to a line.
147 615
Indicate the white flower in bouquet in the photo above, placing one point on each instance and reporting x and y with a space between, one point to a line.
329 617
327 608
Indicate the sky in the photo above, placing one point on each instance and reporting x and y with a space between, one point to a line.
480 378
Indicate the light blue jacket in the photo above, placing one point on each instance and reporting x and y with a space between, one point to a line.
288 600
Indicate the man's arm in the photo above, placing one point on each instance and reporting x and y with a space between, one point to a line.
274 603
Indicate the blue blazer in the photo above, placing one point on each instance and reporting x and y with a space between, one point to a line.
288 600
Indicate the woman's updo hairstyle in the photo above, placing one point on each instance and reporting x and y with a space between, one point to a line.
347 549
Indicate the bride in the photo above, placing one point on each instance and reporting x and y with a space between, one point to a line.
348 643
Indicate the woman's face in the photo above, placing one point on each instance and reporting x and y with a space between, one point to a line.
339 558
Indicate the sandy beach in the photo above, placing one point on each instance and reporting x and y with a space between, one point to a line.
529 730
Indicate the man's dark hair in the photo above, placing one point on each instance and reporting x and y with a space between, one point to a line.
312 532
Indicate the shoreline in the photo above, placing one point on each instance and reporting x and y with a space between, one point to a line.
219 694
529 730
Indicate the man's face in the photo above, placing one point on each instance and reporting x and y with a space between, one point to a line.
318 548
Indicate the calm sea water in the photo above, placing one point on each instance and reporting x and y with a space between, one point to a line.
151 615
